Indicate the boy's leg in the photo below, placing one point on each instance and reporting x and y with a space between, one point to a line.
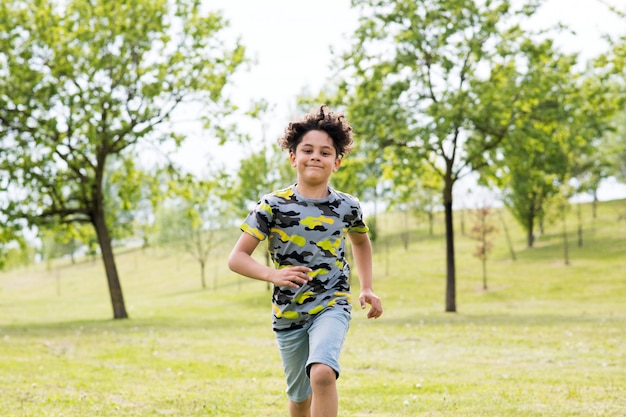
326 337
301 409
294 351
325 401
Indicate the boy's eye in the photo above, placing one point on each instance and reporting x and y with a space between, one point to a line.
310 151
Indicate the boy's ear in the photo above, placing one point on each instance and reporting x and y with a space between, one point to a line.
337 164
292 159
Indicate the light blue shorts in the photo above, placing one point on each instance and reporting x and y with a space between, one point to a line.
321 342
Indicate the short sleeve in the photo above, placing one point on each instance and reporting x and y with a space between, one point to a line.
357 223
259 220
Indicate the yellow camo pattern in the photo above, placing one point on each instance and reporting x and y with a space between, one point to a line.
313 222
286 193
266 207
301 298
284 237
252 231
330 245
318 271
292 315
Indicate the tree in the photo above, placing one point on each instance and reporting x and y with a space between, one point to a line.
597 118
562 206
86 81
480 232
199 216
610 70
447 69
617 149
539 154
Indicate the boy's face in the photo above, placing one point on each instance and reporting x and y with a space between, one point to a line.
315 158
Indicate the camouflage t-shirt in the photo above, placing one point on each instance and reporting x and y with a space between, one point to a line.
307 232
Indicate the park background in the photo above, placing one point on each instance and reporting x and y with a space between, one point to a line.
288 65
539 324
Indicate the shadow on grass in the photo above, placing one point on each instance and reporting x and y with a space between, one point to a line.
126 326
190 309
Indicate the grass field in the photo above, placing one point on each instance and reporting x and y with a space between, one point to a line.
546 339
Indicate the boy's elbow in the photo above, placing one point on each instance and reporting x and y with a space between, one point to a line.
231 262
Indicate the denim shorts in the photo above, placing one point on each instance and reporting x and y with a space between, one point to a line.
320 342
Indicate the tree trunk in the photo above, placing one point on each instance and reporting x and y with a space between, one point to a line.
462 222
508 237
565 242
530 227
115 289
594 204
450 268
483 230
405 232
580 224
203 274
484 259
431 221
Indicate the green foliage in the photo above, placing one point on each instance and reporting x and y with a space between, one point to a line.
614 148
88 80
14 251
601 117
555 138
192 216
260 172
434 82
66 239
85 82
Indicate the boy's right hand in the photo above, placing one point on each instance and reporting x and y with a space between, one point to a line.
294 276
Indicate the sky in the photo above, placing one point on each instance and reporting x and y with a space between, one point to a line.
291 41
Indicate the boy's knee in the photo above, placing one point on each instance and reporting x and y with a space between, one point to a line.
322 375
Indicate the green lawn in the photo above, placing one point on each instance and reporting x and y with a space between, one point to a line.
546 339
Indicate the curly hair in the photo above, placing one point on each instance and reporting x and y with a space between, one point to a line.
324 119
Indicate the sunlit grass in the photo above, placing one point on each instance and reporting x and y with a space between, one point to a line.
545 339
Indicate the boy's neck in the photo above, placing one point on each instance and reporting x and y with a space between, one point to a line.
314 192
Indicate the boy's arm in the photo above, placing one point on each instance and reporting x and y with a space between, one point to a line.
242 262
362 251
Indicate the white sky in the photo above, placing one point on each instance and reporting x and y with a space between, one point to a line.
291 40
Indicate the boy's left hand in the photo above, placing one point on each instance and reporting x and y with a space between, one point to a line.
368 297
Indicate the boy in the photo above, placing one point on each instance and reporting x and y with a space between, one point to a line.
306 225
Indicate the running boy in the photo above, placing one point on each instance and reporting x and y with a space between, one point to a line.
306 225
